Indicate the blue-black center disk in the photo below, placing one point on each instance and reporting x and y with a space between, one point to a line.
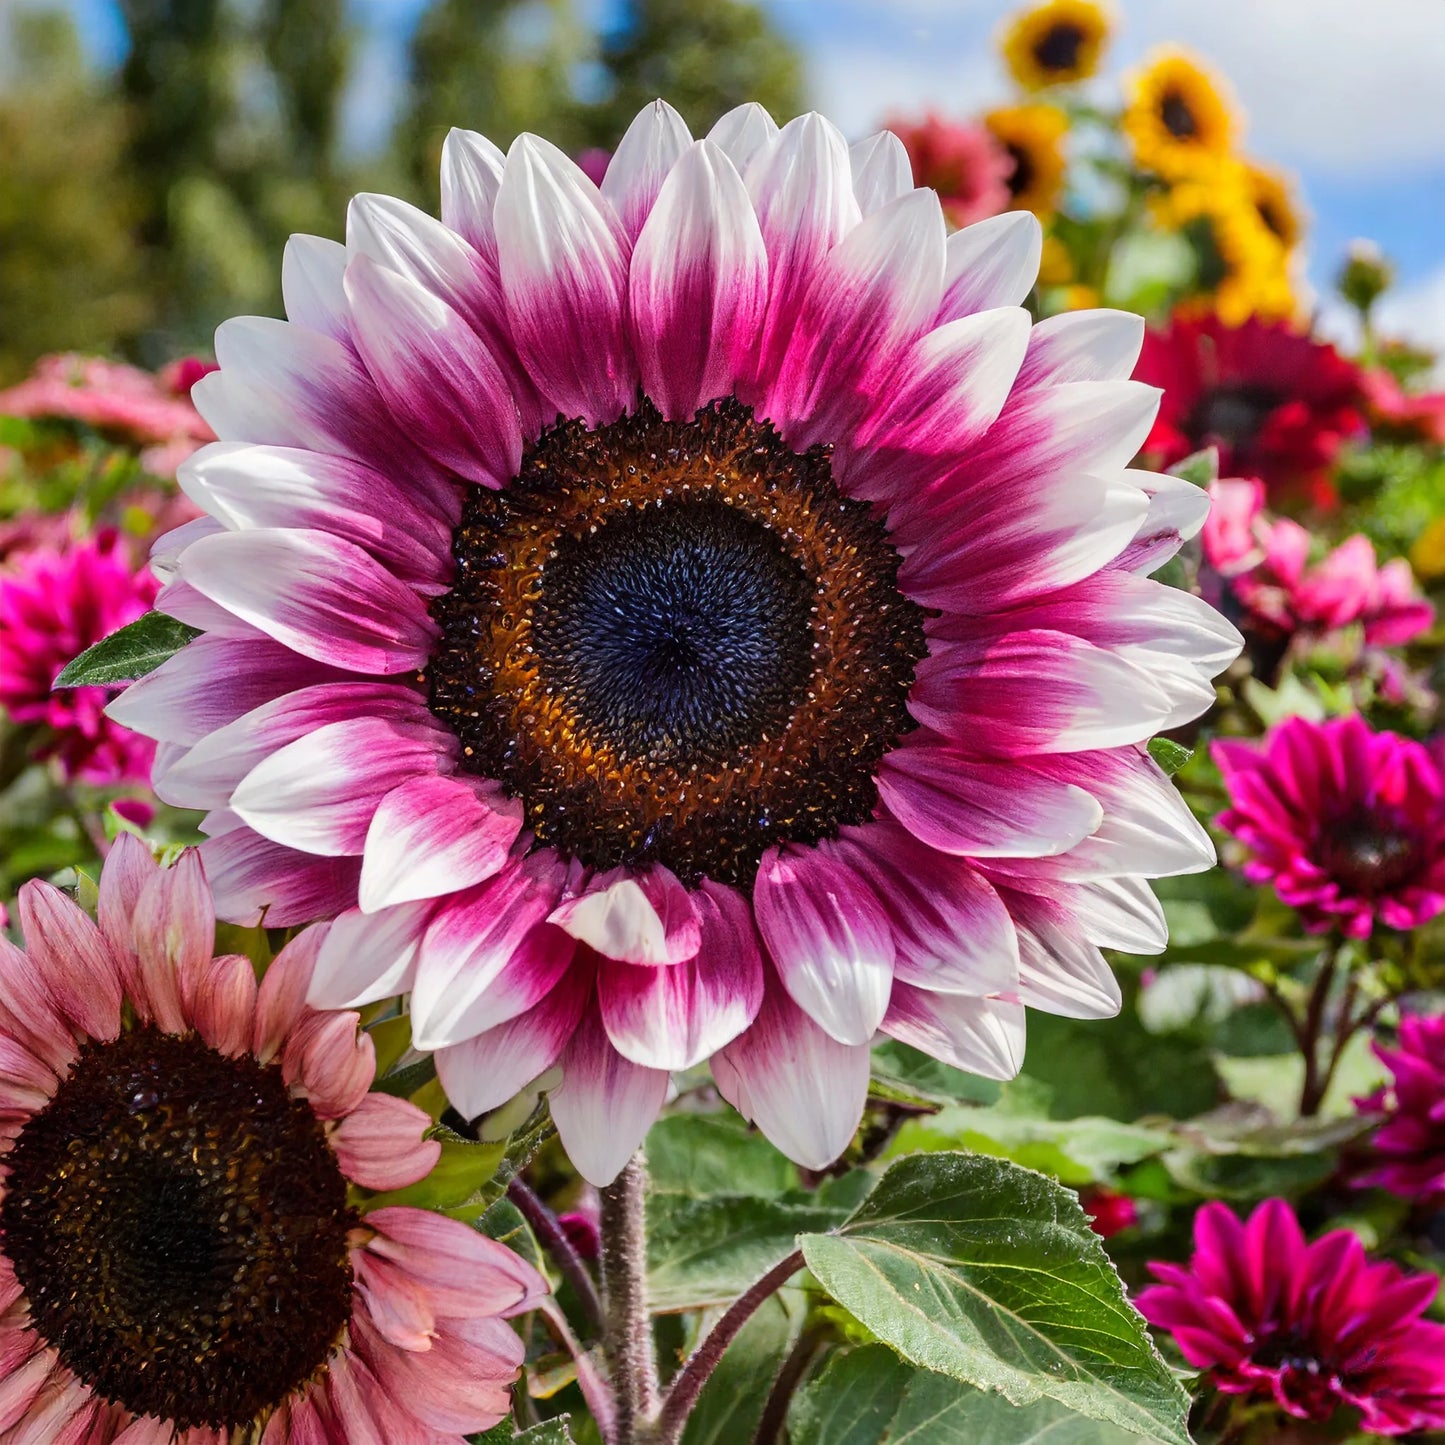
676 631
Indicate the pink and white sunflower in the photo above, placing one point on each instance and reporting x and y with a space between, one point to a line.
699 617
183 1257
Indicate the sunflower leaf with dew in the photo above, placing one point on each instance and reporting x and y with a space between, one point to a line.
135 650
990 1273
868 1396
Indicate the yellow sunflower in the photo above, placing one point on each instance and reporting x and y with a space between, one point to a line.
1272 194
1055 43
1033 136
1244 269
1178 115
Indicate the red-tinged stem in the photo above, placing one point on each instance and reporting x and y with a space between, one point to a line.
595 1390
553 1238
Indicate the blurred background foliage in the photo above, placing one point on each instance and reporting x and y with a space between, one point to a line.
142 205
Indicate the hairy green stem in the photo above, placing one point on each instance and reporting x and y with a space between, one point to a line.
627 1329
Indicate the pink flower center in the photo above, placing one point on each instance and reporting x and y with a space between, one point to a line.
676 642
179 1225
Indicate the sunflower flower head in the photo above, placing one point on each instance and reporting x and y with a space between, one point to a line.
1272 194
1033 136
1056 43
187 1248
1178 115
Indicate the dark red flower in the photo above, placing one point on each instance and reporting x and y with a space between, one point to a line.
1409 1147
1109 1212
1312 1327
1277 403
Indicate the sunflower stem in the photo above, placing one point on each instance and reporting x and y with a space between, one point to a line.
627 1328
553 1238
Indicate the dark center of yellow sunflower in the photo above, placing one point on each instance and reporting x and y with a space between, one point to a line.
1369 853
676 642
1057 48
179 1225
1178 119
1021 178
1275 220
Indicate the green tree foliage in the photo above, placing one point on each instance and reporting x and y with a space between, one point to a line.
71 276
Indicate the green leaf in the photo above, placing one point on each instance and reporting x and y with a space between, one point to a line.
549 1432
908 1075
132 652
1201 467
989 1273
462 1172
700 1154
1170 756
869 1396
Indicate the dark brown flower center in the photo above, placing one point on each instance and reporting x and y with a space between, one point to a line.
1022 176
676 642
1058 47
1369 853
1234 415
1178 119
179 1224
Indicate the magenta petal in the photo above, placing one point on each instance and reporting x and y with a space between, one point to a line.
675 1017
644 159
828 936
251 877
605 1104
436 835
698 286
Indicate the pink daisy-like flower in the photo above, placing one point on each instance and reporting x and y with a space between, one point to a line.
696 618
1346 824
54 603
183 1260
1312 1327
1263 562
1408 1149
968 168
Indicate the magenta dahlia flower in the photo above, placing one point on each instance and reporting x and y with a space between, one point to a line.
1346 824
1312 1327
1408 1149
968 168
184 1259
54 603
696 618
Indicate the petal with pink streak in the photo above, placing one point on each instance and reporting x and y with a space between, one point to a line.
175 933
802 1088
29 1013
440 379
984 1036
224 1006
975 550
72 958
645 156
211 771
405 527
368 956
127 870
743 133
644 917
1094 345
483 1072
180 600
951 931
379 1145
212 681
395 1305
991 263
318 594
311 291
23 1382
948 394
980 808
801 184
319 794
1058 971
698 286
253 878
1037 691
1177 510
436 835
605 1103
881 171
472 168
674 1018
487 941
868 299
281 998
828 936
464 1273
329 1061
563 258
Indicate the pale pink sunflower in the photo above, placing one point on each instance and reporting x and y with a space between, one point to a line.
184 1259
696 617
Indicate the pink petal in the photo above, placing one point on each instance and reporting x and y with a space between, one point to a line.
368 956
379 1145
225 1004
175 932
991 263
252 877
281 998
644 917
73 960
331 1062
982 1035
124 876
640 166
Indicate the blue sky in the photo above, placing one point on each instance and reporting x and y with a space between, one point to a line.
1348 93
